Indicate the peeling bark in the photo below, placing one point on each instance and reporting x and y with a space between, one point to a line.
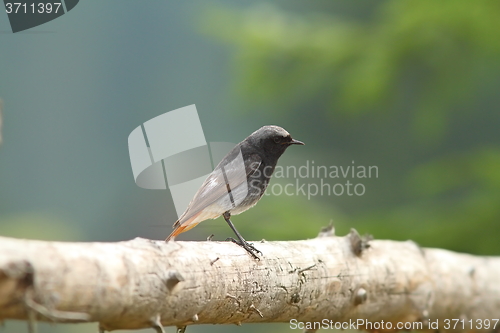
144 283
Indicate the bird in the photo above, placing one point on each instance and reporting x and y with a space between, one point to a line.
237 183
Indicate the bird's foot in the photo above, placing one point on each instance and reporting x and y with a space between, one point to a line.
247 246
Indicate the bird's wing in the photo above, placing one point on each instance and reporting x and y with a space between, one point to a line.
233 170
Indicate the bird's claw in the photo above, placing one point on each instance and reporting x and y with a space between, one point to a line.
247 246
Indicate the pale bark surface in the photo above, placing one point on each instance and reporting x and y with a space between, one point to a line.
143 283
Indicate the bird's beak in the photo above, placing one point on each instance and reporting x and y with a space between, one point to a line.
296 142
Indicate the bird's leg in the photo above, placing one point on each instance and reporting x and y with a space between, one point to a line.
242 242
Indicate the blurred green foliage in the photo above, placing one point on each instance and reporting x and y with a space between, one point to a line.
412 89
40 226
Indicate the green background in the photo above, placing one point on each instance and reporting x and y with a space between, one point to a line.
410 87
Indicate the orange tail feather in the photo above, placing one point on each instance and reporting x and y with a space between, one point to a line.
182 227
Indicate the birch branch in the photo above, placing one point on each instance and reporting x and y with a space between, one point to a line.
143 283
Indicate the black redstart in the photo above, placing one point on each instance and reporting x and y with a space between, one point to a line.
238 182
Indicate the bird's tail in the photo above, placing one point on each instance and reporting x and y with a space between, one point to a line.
177 230
180 227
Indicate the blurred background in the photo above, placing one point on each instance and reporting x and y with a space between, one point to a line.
409 87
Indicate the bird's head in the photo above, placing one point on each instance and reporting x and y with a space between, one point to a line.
274 140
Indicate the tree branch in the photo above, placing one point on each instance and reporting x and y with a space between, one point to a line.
143 283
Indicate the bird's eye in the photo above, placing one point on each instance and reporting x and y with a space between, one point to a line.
277 139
